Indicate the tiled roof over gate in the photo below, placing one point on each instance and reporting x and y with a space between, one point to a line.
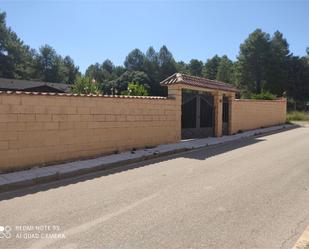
179 78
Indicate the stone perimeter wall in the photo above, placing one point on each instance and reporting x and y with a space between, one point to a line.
36 129
248 114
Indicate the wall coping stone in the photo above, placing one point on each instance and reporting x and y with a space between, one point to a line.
80 95
262 100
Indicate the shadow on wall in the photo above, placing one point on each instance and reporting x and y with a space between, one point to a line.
198 154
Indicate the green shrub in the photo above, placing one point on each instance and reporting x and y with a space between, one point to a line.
297 116
135 89
263 95
84 85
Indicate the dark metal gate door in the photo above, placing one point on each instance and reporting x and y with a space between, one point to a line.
197 115
225 116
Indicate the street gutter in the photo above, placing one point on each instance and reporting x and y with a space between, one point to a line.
38 175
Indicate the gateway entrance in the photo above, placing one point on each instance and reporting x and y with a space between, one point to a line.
197 114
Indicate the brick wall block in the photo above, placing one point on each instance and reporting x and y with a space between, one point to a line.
4 108
26 117
39 129
4 145
11 99
43 117
252 114
8 117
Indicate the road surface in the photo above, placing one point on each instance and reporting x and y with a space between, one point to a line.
252 193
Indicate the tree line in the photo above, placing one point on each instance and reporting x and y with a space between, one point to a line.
264 65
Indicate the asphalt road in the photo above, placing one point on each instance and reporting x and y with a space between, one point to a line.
252 193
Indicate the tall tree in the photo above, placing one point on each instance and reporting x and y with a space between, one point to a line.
49 65
196 67
135 60
225 70
108 66
182 67
71 71
298 79
254 60
151 64
151 68
118 70
167 66
277 68
16 59
94 72
211 67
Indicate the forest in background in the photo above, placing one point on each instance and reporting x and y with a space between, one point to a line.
264 65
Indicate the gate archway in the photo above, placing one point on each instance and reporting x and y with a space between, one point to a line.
197 114
205 109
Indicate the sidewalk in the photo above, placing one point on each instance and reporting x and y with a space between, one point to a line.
37 175
303 241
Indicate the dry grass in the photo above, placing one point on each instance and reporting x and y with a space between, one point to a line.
298 116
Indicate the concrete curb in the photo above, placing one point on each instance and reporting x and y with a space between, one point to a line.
20 179
303 241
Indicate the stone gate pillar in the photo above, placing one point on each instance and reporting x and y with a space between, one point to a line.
231 108
174 92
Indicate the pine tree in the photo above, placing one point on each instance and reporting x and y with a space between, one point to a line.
254 60
225 70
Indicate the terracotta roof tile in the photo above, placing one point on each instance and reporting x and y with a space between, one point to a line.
179 78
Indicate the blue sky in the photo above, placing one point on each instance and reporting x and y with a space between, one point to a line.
92 31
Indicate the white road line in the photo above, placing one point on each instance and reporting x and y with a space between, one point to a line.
88 225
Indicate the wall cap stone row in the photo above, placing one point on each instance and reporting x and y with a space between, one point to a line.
261 100
81 95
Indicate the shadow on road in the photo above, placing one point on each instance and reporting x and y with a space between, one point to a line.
198 154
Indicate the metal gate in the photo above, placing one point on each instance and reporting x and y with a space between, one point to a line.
225 116
197 114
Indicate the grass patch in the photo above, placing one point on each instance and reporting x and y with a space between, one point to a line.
297 116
